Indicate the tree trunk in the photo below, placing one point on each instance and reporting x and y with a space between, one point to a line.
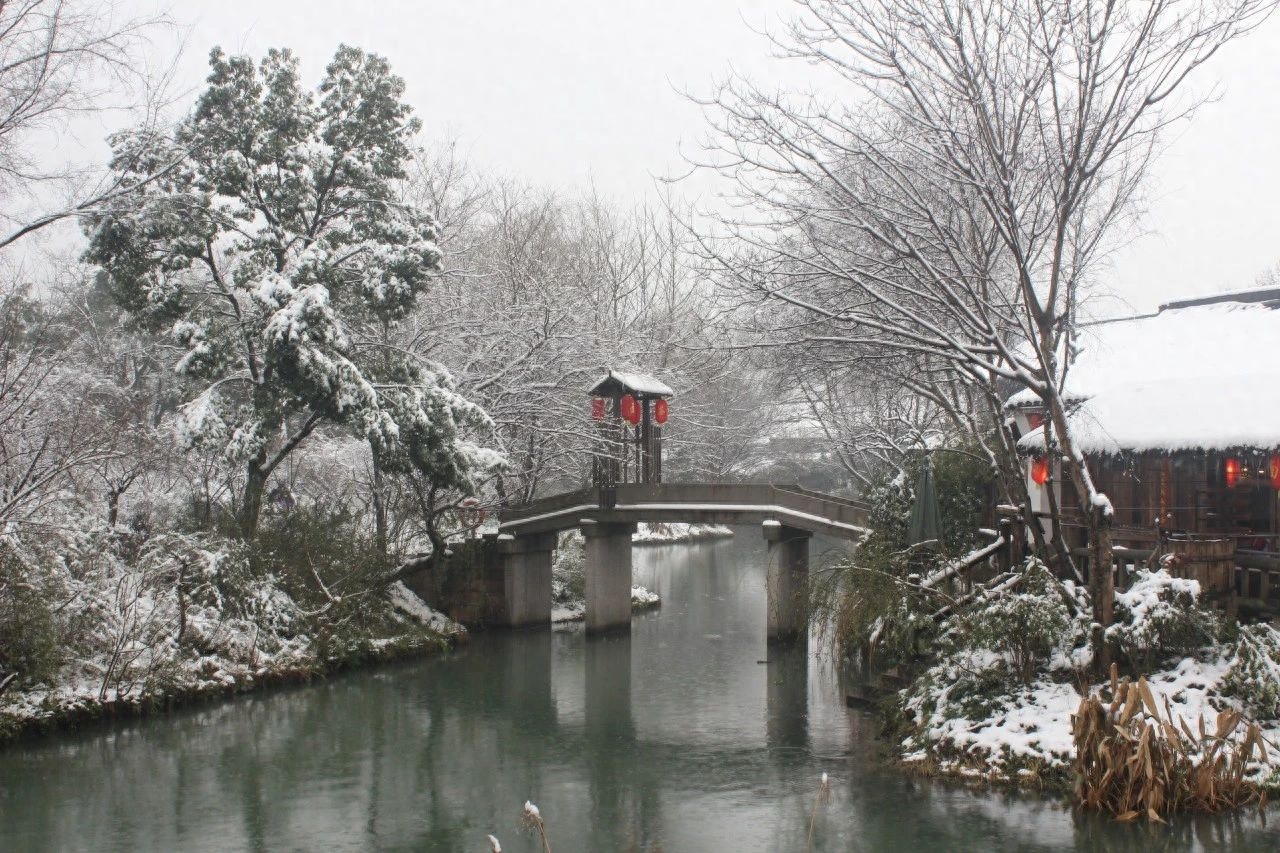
379 508
251 506
113 507
1102 586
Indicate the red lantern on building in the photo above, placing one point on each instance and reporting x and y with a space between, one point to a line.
661 411
1035 420
1040 470
630 409
1273 468
1232 471
597 408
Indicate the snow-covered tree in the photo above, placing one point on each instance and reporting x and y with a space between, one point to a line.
277 254
954 200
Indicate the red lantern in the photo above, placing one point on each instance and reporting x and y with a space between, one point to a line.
1274 469
661 411
1035 420
630 409
597 408
1040 470
1232 470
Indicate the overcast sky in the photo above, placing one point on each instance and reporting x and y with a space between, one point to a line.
566 92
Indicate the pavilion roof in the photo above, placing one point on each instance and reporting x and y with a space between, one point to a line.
640 384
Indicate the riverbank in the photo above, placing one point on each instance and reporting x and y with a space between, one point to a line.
998 700
80 696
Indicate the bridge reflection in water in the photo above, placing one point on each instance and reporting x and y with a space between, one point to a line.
670 737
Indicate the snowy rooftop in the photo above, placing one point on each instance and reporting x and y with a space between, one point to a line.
638 383
1199 377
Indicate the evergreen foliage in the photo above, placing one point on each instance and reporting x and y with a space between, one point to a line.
275 252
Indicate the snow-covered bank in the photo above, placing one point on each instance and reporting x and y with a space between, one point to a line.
664 533
997 704
178 618
576 610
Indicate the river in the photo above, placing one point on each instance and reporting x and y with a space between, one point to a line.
688 735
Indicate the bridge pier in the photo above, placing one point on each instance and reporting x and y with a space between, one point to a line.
526 580
788 577
608 568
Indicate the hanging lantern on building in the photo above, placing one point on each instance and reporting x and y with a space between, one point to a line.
1273 469
1040 470
661 411
597 408
630 409
1232 471
1035 420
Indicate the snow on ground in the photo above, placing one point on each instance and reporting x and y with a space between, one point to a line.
641 596
576 611
406 601
1033 726
679 532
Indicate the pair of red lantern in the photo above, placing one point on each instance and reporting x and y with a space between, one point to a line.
630 409
1231 471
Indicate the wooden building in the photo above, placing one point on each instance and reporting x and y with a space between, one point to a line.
1178 413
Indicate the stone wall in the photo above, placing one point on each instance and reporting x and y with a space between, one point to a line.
467 586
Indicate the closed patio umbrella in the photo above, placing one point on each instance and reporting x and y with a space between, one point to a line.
926 522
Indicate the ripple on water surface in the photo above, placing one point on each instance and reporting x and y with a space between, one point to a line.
691 734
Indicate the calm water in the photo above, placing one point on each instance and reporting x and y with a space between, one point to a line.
675 739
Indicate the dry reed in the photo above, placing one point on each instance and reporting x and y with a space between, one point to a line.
1133 761
824 792
532 818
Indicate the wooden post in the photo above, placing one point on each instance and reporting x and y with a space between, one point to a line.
646 448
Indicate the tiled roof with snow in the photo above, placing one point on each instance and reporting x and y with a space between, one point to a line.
1203 377
640 383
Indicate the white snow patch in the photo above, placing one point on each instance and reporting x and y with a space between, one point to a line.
407 601
679 532
1164 382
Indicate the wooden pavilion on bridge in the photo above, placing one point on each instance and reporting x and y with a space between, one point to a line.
629 410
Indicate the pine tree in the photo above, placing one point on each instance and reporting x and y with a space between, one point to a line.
277 256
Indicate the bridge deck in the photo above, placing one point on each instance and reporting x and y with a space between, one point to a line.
697 503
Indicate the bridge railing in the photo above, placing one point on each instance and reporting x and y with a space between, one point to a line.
588 497
706 502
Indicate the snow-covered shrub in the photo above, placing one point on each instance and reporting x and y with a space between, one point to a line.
28 633
1023 627
322 555
1160 618
1253 673
868 593
568 570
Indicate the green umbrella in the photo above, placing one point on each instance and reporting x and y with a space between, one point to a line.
926 523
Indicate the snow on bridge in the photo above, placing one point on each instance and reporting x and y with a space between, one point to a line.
697 503
788 516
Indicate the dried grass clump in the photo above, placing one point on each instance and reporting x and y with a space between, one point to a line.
1133 761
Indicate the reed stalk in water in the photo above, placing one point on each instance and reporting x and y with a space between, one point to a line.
824 792
532 818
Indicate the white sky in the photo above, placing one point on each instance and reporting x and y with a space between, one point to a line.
566 92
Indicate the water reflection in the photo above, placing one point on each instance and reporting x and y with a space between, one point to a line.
691 734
